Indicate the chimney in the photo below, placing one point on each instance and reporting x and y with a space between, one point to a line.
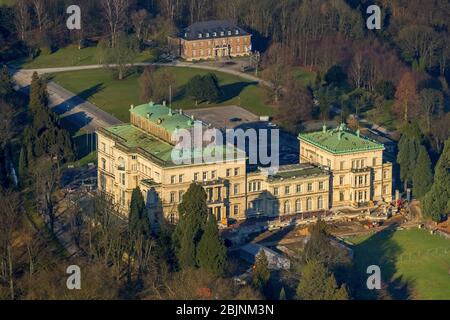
132 107
357 133
164 103
151 103
181 111
324 128
170 112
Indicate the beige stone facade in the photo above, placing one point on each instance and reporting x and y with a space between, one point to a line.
359 173
329 175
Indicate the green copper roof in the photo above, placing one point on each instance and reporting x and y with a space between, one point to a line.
134 139
340 140
163 116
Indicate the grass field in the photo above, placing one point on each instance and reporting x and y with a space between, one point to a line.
413 263
115 97
305 76
7 3
72 56
383 116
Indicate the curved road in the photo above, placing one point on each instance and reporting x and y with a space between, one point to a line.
83 114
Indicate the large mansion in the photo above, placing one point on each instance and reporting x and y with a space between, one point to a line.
337 167
212 39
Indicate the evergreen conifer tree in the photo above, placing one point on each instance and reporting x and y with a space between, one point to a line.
138 222
423 176
261 272
193 212
317 283
211 252
436 203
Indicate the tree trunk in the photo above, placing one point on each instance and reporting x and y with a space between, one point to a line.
10 267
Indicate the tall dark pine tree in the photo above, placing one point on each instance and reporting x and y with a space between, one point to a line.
408 148
193 213
38 93
261 272
45 134
6 84
436 203
138 222
22 168
211 252
423 175
317 283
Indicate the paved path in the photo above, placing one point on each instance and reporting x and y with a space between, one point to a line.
77 113
223 69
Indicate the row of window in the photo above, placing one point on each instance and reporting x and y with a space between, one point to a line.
356 163
288 207
299 188
215 34
209 43
173 196
298 205
210 51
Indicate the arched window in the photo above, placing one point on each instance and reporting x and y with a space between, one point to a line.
287 207
298 205
320 202
308 204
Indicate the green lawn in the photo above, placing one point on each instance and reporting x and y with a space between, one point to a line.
72 56
413 263
383 116
7 3
115 97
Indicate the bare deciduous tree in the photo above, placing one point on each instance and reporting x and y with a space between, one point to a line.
46 178
9 221
139 18
40 9
115 12
22 18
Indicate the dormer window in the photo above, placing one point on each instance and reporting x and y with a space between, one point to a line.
229 32
214 34
185 35
199 35
237 31
207 34
222 33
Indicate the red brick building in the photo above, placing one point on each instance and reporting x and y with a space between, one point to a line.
213 39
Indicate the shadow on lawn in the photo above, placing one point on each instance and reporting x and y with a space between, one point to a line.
381 250
229 91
